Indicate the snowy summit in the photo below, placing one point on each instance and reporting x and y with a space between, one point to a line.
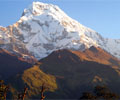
44 28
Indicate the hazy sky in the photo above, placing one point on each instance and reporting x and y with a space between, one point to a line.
102 16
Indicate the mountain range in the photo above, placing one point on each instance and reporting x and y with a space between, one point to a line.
47 46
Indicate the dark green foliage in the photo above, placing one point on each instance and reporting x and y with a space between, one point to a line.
105 93
3 90
100 93
88 96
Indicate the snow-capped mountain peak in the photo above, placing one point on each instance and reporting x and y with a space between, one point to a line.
44 28
38 8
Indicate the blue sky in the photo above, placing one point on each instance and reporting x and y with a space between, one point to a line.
102 16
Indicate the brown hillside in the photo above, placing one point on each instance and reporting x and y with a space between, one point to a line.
69 73
77 71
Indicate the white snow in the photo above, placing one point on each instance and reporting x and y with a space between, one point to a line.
45 28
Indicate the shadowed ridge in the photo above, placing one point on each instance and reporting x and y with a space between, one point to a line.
93 49
69 73
97 54
31 60
11 65
80 71
94 54
3 51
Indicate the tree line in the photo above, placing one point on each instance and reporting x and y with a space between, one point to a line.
21 96
99 93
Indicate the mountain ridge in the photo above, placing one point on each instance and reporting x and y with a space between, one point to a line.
69 73
11 64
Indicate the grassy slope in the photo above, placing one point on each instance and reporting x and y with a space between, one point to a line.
34 78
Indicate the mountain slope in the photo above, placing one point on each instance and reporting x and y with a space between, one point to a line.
10 65
69 73
44 28
80 71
